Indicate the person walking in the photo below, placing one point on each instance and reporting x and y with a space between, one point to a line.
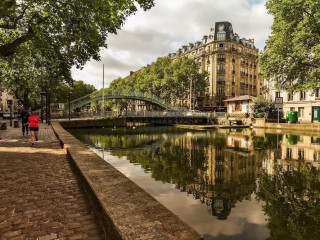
25 121
34 127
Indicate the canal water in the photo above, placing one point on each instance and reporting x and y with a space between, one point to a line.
244 184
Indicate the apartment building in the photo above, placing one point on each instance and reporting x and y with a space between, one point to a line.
306 103
232 65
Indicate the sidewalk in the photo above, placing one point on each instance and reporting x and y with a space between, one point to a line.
40 195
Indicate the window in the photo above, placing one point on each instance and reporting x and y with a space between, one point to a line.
220 56
300 154
221 36
221 45
220 79
317 92
277 94
289 153
302 95
292 109
238 106
290 96
220 91
300 112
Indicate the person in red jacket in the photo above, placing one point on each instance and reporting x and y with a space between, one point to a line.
34 127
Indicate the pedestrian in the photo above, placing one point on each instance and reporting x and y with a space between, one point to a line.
34 127
25 121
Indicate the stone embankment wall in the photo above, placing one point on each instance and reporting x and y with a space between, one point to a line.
90 123
304 127
125 210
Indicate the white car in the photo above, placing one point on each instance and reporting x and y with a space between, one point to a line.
6 115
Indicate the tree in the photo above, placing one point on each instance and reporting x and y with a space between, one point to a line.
78 89
77 29
262 106
292 55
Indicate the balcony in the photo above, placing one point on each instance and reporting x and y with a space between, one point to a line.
221 59
221 82
242 84
234 50
221 71
243 63
242 73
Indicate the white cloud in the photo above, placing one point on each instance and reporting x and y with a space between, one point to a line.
170 24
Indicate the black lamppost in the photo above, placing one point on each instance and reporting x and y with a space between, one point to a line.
42 94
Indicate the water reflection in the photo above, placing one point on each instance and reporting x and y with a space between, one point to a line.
222 169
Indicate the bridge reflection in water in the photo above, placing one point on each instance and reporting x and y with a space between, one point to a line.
226 170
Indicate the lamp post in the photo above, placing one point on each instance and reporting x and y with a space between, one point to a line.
42 94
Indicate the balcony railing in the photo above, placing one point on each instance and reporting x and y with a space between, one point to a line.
242 84
243 62
221 59
242 73
221 71
221 82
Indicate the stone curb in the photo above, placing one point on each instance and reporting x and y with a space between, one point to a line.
125 210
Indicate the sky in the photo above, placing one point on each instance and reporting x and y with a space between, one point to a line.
170 24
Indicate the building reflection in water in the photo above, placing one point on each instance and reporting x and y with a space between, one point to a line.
222 168
231 169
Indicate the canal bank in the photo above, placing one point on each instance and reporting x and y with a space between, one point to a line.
304 127
41 196
126 210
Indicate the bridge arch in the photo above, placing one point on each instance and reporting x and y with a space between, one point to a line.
130 96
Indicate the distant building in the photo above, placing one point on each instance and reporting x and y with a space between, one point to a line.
232 65
5 96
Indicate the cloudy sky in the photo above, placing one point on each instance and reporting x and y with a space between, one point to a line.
169 25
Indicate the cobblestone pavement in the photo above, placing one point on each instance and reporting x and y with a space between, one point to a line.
40 196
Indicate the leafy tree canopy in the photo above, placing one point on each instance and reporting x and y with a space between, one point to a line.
74 28
165 78
292 56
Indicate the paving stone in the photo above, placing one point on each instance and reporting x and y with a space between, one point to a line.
41 197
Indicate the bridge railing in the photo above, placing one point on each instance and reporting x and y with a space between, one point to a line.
110 114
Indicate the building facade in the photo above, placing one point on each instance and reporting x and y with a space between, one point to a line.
232 65
4 107
306 103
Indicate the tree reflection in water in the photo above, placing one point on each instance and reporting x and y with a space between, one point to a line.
292 201
221 168
218 168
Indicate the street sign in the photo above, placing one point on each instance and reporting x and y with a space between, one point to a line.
279 102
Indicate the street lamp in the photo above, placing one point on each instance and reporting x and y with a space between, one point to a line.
42 94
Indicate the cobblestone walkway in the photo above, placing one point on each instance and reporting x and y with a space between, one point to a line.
40 196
